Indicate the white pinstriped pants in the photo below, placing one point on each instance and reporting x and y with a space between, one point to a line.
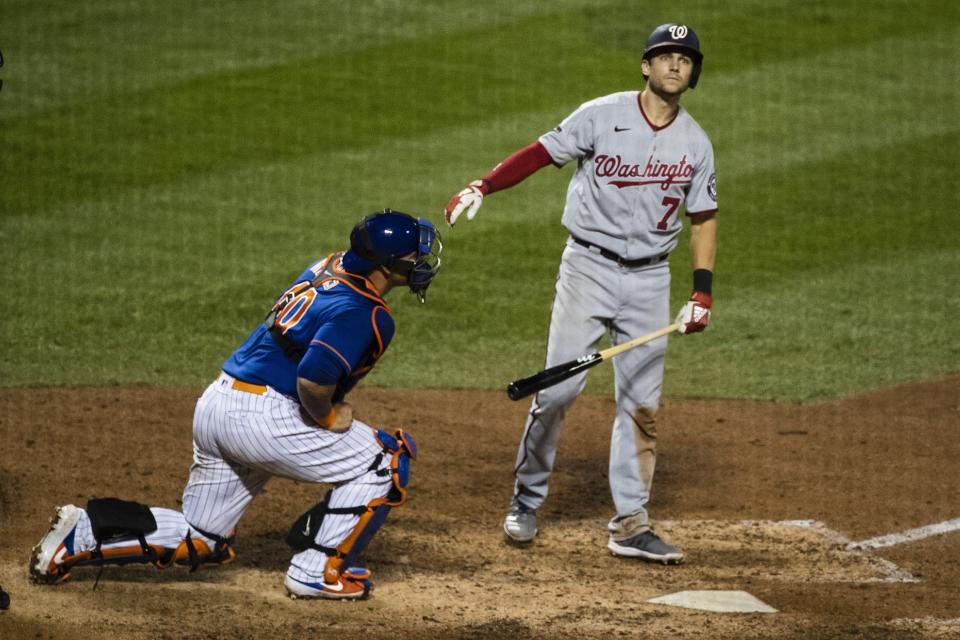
240 441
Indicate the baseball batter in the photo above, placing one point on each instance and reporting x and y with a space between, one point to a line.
642 161
278 409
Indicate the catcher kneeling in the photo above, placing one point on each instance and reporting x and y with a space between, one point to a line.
278 409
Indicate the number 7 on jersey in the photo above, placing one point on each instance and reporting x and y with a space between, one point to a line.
672 204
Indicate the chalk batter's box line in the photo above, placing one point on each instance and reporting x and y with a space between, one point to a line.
910 535
890 572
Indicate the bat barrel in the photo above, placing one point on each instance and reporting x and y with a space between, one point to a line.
516 390
549 377
554 375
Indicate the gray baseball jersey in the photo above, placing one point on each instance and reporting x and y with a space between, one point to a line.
625 197
632 176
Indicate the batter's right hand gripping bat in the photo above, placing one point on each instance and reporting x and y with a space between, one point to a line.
554 375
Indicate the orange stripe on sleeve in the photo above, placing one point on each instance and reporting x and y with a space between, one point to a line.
337 353
376 332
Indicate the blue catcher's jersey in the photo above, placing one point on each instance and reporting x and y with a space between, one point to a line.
330 327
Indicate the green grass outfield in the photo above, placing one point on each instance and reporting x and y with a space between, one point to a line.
166 170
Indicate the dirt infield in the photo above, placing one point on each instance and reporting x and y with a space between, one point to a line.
763 498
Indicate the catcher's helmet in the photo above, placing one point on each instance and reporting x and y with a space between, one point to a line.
385 237
678 36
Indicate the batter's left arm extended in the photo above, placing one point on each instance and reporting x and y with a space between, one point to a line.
518 166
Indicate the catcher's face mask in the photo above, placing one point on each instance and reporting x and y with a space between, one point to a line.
421 271
409 247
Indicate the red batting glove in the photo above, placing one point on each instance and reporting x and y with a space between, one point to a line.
469 200
695 315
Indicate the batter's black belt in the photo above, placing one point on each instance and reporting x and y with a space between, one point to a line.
620 260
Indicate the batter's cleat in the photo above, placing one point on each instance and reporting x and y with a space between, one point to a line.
47 559
354 584
520 525
646 546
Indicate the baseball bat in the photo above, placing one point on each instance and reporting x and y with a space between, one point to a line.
554 375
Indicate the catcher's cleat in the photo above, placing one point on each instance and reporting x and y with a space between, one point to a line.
47 564
646 546
353 584
520 525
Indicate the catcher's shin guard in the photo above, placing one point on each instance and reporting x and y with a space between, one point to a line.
400 449
114 521
194 551
111 520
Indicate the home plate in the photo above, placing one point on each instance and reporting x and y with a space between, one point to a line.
720 601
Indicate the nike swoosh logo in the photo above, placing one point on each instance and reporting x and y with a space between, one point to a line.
619 129
333 587
306 529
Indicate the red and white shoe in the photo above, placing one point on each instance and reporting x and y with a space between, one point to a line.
353 584
48 561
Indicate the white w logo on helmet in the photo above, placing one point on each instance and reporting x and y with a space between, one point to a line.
678 32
